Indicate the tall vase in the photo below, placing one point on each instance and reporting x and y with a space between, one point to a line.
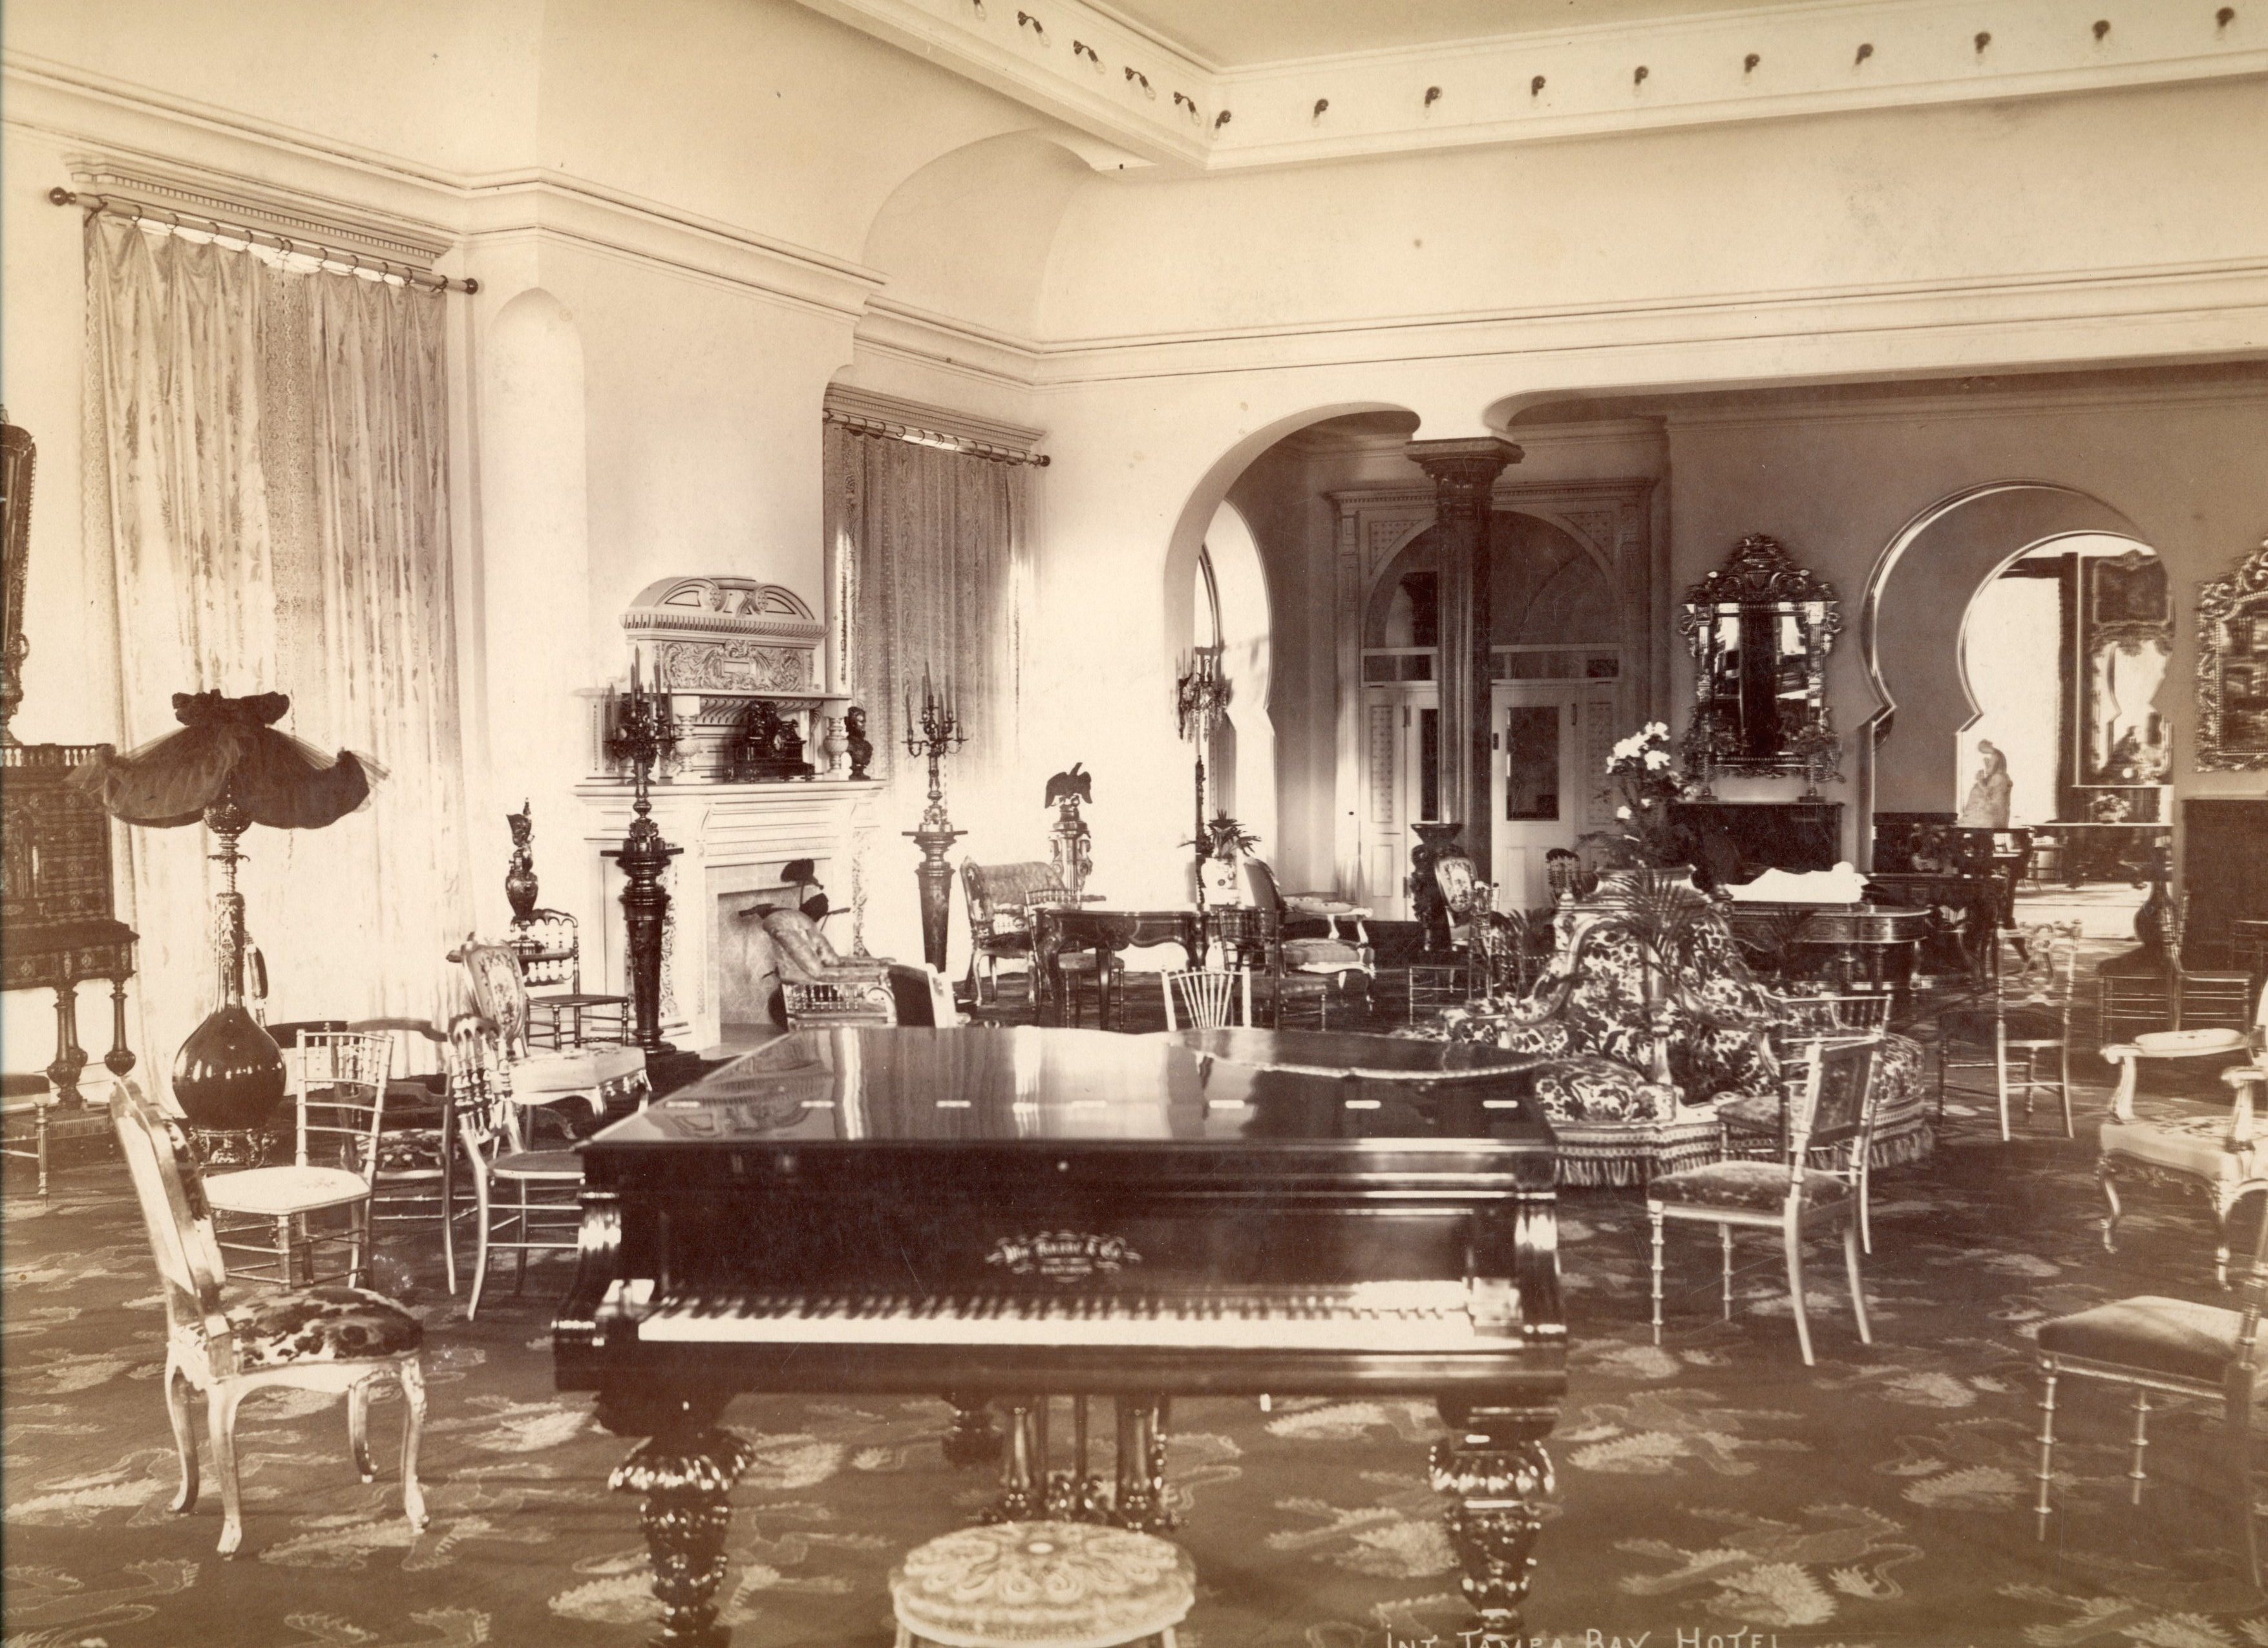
228 1077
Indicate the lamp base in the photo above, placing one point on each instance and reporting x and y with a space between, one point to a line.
228 1077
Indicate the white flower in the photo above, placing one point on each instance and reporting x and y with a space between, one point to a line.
1622 812
1657 729
1656 759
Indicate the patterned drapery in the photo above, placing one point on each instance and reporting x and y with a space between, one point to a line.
934 558
267 471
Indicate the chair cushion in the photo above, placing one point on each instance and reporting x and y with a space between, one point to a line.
538 1164
2164 1335
272 1192
1758 1186
2179 1043
409 1150
1324 955
599 1069
1070 1584
1752 1113
2189 1145
322 1324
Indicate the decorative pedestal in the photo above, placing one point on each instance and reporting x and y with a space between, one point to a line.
935 876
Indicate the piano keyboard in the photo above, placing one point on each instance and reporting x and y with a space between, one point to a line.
1417 1316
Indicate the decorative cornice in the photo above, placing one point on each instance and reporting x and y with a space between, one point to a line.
1088 66
850 401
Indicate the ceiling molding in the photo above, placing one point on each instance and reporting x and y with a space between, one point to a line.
1736 65
968 426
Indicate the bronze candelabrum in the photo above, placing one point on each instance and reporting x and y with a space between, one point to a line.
936 732
1201 697
641 733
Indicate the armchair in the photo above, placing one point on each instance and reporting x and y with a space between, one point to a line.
1000 899
2218 1156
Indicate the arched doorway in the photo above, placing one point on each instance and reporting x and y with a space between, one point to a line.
1233 611
1557 669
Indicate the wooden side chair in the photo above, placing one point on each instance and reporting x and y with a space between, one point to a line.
2217 1156
1305 969
338 1101
2025 1013
1830 1105
323 1339
550 945
525 1200
2174 1348
1207 998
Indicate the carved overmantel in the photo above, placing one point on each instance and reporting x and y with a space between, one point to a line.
718 644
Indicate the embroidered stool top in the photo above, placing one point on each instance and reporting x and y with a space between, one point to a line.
1016 1584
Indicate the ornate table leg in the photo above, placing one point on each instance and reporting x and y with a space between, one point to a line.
686 1469
71 1058
974 1440
1140 1502
120 1060
1496 1474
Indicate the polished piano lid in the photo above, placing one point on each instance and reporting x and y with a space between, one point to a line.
997 1085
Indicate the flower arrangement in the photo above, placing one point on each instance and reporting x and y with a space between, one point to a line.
1642 780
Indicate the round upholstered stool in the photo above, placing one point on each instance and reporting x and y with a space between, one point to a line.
1042 1585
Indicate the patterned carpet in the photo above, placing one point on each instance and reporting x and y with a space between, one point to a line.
1709 1487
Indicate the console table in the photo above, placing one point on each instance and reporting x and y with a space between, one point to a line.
1738 840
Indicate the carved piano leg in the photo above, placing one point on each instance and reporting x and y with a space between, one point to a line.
975 1439
1140 1502
120 1060
71 1058
1497 1474
686 1469
1023 1467
1074 1495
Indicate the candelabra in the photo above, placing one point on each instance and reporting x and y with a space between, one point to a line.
936 732
642 731
1200 704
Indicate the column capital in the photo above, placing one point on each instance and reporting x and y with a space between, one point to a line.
1469 463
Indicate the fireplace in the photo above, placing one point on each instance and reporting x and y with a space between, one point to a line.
736 838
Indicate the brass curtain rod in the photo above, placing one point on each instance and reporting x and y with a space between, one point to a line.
167 217
920 437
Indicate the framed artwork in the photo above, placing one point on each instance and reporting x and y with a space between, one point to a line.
2232 685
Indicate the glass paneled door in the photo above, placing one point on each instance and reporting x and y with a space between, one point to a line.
1402 782
1545 784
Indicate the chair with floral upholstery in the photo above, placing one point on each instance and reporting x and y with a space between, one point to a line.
1831 1108
2216 1155
601 1078
323 1339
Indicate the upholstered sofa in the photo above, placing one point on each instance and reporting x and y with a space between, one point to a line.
1637 1088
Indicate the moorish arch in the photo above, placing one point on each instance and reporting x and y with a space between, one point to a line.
1911 625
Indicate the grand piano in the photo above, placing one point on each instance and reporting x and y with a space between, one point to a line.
1004 1214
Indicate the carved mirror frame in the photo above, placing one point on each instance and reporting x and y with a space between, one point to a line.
2232 679
1760 574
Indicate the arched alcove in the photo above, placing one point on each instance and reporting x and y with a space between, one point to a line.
1244 754
1916 606
535 559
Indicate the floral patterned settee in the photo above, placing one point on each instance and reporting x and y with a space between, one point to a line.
1637 1085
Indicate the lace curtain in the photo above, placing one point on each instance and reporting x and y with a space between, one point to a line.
934 549
266 463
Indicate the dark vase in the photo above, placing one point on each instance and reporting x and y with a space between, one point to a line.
519 890
229 1075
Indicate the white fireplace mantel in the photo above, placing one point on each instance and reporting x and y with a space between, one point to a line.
734 839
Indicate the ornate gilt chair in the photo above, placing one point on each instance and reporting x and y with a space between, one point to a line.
1831 1108
2175 1348
599 1078
2025 1011
323 1339
2218 1155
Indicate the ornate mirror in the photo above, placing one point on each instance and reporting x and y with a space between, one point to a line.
1760 628
2233 667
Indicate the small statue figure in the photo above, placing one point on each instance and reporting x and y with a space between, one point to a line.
862 748
519 879
1069 844
1987 806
